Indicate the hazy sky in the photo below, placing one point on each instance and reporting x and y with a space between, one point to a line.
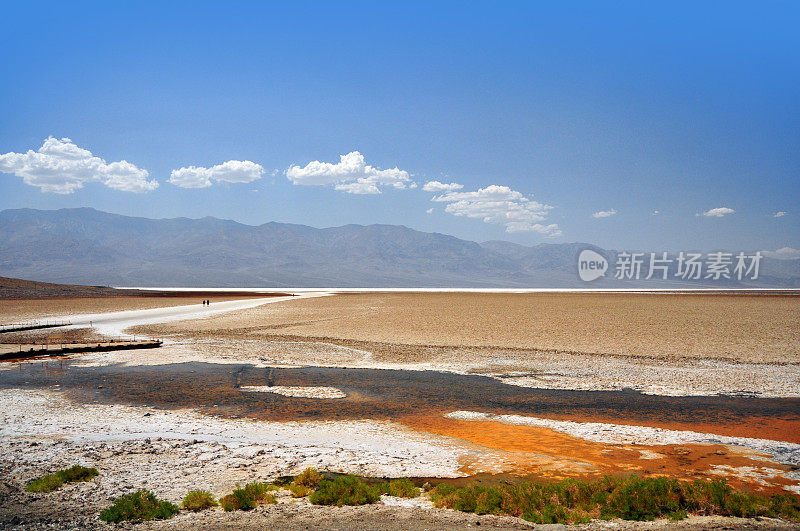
628 125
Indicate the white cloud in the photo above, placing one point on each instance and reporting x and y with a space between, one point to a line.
784 253
524 226
61 167
437 187
233 171
351 174
429 211
779 214
362 185
604 214
718 212
656 212
500 204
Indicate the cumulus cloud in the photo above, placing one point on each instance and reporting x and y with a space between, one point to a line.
523 226
233 171
500 204
784 253
61 167
779 214
605 213
351 174
718 212
437 187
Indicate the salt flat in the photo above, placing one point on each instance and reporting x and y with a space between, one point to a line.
658 343
661 344
740 327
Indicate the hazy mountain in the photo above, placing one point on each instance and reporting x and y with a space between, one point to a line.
86 246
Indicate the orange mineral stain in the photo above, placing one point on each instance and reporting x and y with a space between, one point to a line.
540 453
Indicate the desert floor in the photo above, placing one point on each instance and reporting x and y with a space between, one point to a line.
22 310
447 385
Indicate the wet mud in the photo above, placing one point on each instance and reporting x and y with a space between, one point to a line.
397 394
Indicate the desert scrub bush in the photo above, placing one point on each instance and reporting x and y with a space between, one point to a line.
345 490
401 488
229 503
198 500
308 478
141 505
247 497
51 482
644 499
299 491
631 498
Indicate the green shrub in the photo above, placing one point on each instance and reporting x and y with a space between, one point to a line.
645 499
138 506
632 498
299 491
51 482
77 473
785 506
229 503
198 500
308 478
402 488
345 490
46 483
247 497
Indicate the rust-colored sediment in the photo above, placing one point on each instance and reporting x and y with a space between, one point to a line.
771 428
540 453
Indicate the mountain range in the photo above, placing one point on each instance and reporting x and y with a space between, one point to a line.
87 246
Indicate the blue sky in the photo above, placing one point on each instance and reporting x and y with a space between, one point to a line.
557 111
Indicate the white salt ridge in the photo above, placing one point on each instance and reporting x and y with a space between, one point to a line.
296 392
689 377
783 452
366 447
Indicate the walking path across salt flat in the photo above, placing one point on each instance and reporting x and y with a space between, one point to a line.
115 323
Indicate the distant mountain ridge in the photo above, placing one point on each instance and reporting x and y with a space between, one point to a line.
87 246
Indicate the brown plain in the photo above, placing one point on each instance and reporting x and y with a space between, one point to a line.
16 310
747 328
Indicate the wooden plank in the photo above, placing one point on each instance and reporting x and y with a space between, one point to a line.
9 351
